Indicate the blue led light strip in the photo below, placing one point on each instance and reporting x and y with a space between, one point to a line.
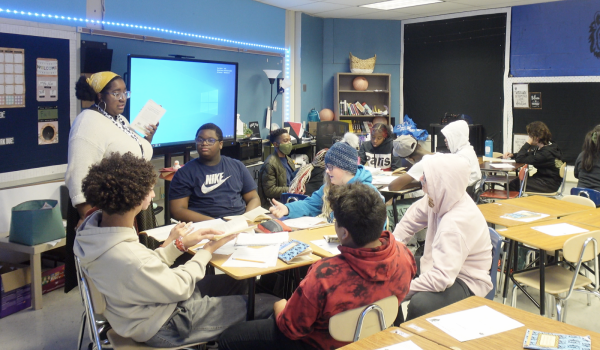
127 25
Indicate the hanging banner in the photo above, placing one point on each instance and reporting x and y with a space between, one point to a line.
47 79
12 78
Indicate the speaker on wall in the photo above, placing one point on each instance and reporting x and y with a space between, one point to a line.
95 57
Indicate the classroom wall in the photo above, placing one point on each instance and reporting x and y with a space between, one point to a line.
552 39
364 38
311 70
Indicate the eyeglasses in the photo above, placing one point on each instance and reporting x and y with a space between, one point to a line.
119 95
209 141
329 167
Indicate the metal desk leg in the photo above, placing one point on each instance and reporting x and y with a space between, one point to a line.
35 261
395 209
251 295
542 282
511 249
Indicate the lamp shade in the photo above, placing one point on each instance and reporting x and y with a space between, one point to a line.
271 73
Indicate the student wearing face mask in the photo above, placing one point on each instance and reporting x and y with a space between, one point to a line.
279 169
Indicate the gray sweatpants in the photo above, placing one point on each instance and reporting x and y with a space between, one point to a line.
422 303
217 303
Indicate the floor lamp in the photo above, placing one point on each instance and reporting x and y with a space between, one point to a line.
272 75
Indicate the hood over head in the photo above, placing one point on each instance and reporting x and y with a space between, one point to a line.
372 263
447 178
457 134
362 175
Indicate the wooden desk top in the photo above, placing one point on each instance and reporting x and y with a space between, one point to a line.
28 249
307 236
546 205
242 273
487 167
590 217
525 234
388 337
512 339
492 213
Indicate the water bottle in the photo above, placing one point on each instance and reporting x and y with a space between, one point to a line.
489 148
313 116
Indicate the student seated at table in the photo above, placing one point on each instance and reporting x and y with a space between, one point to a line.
587 165
371 266
542 154
277 172
211 186
310 177
457 140
145 299
458 250
407 147
377 153
341 167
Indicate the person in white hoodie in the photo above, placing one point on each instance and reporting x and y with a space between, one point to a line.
145 299
457 141
458 251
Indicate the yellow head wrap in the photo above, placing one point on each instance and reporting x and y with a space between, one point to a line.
99 80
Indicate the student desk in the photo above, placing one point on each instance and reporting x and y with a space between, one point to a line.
546 205
512 339
492 213
503 174
35 262
306 236
538 240
395 195
590 217
388 337
250 273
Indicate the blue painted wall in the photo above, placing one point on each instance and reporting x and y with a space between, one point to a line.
73 8
311 58
552 39
364 38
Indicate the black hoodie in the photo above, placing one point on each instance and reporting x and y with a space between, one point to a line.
546 160
379 157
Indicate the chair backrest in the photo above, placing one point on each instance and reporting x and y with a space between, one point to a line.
587 192
579 200
93 302
563 175
364 321
523 178
497 154
292 197
573 247
496 247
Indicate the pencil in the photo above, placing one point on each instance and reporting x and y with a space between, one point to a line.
256 261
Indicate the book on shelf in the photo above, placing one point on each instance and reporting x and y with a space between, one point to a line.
359 107
368 110
368 126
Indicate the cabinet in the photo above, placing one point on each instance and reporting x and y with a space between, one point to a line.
377 94
254 170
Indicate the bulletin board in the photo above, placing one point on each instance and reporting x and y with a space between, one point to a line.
570 109
35 106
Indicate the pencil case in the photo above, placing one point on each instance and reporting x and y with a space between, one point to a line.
294 251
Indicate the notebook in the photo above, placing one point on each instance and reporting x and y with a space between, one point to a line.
543 341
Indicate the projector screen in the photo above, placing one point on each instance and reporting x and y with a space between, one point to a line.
193 92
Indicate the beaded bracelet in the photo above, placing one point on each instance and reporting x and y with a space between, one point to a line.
179 244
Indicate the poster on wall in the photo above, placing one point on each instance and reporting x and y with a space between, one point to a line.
518 142
12 77
535 100
47 79
521 95
47 125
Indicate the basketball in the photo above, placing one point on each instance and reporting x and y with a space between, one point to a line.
326 115
360 83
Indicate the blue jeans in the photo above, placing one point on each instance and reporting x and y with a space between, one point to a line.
215 305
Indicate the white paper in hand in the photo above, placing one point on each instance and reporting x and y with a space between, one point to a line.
149 115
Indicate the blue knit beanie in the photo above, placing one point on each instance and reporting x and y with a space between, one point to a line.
343 156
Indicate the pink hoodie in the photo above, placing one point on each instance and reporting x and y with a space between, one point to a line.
458 240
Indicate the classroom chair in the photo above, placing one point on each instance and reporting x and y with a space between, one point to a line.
352 325
496 247
579 200
494 194
562 282
558 194
291 197
95 304
588 193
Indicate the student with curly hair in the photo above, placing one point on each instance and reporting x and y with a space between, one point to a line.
146 300
542 154
587 165
377 153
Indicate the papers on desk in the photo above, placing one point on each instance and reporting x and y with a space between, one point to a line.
524 216
330 247
383 180
374 171
474 323
253 257
407 345
490 159
559 229
162 233
256 214
304 222
502 166
259 239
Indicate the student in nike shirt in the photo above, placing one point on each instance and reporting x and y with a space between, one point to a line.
211 186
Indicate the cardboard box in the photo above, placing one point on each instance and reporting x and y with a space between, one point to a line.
312 128
53 279
15 288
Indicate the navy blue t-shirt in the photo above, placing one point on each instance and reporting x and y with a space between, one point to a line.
215 191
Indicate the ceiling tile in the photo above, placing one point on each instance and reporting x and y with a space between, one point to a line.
353 2
392 14
447 7
316 7
349 12
287 4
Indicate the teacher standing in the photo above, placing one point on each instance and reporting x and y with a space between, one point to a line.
95 134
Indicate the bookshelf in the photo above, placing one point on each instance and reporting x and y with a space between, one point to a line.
377 94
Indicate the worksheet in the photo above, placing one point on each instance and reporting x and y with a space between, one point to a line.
330 247
253 257
560 229
407 345
304 222
524 216
261 239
